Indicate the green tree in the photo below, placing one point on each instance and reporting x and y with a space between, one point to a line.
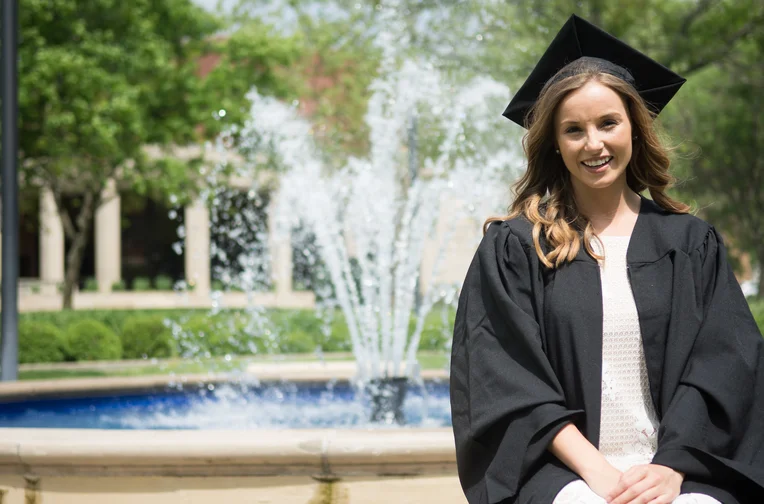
102 80
336 69
721 167
505 39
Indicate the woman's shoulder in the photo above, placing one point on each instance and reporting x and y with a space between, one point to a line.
675 231
518 227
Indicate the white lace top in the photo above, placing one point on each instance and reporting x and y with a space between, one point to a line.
628 422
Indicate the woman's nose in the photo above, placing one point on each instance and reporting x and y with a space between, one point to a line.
593 142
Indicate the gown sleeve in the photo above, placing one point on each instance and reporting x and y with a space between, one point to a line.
713 428
506 402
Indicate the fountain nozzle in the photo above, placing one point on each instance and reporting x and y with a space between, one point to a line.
387 395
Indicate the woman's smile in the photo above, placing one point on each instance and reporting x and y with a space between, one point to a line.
597 165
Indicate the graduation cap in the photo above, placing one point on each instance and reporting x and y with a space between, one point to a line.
580 39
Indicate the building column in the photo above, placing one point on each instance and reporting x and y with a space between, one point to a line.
280 244
52 248
197 247
108 238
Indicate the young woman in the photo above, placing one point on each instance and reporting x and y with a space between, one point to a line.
603 350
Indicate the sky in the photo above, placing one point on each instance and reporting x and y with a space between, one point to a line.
273 12
211 5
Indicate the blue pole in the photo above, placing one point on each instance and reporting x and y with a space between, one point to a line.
9 345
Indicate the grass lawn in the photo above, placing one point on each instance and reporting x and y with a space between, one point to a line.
427 360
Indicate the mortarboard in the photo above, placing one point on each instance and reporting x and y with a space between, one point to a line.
580 39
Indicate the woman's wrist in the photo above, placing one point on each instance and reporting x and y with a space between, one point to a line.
576 452
595 468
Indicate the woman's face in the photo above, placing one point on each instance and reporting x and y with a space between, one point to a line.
593 134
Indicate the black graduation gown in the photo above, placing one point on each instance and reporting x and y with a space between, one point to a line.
527 359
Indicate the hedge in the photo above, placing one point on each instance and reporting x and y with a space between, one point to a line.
40 342
192 333
210 335
91 340
147 336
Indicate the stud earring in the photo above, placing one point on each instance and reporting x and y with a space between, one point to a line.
635 137
557 151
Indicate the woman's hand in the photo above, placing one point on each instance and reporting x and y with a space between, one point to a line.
603 480
646 484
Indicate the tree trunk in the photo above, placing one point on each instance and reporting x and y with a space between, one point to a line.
76 251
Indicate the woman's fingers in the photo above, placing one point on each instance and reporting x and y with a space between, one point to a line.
636 491
628 479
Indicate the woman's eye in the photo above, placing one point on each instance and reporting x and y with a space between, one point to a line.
572 129
609 123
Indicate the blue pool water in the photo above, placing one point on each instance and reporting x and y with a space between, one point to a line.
227 406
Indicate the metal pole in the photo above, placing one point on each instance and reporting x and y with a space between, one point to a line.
9 346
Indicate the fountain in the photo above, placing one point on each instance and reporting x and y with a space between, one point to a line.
372 221
372 217
436 158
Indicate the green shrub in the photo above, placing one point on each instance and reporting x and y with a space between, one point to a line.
305 320
92 340
434 338
91 285
119 286
211 334
757 308
226 335
147 336
338 339
163 283
192 337
114 319
297 341
39 342
217 285
141 284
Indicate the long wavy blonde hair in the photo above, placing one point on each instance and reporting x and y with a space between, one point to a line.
544 194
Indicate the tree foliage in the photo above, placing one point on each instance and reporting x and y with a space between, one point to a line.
505 39
718 118
102 80
336 69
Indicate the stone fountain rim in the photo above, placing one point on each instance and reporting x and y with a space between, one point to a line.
321 453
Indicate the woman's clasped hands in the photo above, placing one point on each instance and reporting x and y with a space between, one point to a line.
646 484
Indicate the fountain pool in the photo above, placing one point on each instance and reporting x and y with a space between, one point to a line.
226 406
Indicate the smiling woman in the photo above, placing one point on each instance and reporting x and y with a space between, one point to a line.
600 335
593 135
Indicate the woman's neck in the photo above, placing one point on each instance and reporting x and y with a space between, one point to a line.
611 212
